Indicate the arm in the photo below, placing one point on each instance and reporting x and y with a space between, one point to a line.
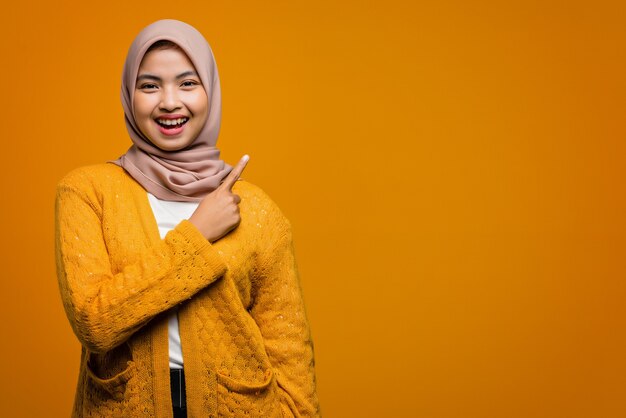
105 309
279 311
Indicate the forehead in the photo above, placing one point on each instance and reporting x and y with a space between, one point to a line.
165 60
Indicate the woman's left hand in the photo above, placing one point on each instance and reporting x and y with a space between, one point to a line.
218 213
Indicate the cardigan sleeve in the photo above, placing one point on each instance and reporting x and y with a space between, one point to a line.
105 309
279 311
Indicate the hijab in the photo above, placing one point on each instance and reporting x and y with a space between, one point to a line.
188 174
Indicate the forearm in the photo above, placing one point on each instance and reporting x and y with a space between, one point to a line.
280 313
106 307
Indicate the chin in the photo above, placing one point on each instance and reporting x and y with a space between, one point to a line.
173 146
169 147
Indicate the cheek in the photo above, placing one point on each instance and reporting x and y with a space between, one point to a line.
199 104
143 107
143 112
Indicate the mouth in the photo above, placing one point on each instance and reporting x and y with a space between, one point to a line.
170 124
171 127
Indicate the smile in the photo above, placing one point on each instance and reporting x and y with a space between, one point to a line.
172 123
171 127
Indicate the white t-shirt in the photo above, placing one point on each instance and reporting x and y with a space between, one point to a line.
169 214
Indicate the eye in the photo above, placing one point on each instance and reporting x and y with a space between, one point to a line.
148 86
189 83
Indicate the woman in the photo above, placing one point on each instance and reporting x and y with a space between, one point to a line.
177 276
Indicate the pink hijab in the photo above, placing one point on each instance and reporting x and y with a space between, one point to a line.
191 173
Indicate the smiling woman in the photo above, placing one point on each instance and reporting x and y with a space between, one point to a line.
178 277
170 103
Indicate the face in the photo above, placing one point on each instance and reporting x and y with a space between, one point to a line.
170 103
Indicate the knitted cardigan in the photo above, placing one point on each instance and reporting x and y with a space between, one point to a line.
244 332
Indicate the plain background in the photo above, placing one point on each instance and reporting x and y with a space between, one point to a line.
453 172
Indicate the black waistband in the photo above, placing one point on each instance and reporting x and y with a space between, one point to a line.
177 385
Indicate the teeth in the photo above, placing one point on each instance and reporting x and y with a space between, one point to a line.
171 121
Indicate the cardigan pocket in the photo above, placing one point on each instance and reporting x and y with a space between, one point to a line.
108 373
238 398
244 387
115 386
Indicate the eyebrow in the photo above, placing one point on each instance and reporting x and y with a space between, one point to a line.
157 78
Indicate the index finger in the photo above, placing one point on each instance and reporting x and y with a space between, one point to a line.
233 176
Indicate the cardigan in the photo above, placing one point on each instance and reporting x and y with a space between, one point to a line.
244 330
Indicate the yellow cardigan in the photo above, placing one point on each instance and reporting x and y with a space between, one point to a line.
244 332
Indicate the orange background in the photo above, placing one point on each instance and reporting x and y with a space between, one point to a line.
453 171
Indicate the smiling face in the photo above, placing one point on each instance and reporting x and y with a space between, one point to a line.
170 104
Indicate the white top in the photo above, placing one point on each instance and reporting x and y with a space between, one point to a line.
169 214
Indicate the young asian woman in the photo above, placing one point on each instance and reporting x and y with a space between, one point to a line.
177 276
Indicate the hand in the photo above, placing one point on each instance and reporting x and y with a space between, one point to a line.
218 213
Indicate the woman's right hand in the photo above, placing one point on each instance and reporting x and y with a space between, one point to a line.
218 213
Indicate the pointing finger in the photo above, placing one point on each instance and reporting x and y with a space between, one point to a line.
233 176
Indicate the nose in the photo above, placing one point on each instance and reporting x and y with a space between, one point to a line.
170 99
